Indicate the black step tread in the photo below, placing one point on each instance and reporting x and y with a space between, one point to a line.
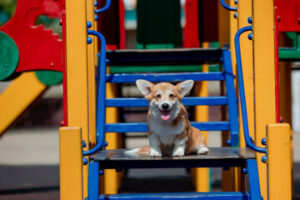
216 157
177 56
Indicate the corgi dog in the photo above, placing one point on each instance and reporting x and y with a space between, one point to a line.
170 132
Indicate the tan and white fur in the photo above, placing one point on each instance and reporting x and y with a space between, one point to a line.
170 132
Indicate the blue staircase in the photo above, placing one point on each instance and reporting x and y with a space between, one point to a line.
232 156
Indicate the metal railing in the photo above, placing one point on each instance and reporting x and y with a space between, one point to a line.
248 140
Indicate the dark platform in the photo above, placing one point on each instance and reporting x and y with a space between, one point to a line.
179 56
216 157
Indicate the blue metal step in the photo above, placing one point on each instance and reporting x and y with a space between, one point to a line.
142 127
180 196
187 101
168 77
178 56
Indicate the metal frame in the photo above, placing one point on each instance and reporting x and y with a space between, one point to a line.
248 140
101 94
232 100
227 7
158 57
93 189
253 179
105 8
196 76
142 127
180 196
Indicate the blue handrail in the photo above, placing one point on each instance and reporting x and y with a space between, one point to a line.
242 90
106 7
101 92
227 6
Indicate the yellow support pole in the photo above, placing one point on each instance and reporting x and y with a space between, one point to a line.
264 77
233 26
92 51
202 115
223 19
245 11
70 158
226 36
17 97
279 165
77 75
111 177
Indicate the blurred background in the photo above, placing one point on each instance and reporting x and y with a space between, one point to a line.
29 149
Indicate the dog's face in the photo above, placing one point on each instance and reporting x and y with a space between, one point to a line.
164 98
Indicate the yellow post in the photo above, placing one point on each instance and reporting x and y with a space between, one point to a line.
279 165
70 158
245 11
223 18
233 25
77 74
226 36
17 97
91 75
111 177
201 115
264 77
286 98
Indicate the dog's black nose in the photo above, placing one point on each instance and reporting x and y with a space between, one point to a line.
165 106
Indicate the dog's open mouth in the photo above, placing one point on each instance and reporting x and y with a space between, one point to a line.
165 115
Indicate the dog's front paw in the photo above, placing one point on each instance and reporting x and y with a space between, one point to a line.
178 152
202 150
154 153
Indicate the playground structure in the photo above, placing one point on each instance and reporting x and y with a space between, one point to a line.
81 119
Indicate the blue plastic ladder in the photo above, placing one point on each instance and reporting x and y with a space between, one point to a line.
218 157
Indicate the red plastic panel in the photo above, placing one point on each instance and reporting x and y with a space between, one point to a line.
191 29
288 15
38 47
122 25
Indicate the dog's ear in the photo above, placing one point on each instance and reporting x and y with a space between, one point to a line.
144 86
185 87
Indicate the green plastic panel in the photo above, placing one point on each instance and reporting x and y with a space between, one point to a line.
158 22
49 78
9 56
291 53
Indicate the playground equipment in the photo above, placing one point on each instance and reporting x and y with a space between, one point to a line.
21 51
79 118
79 170
116 159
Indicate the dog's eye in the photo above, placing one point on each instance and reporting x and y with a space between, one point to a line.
158 96
171 95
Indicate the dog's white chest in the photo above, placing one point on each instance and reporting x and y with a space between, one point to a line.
166 131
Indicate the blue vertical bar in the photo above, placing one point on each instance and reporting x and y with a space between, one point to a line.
93 184
253 179
101 94
232 100
242 90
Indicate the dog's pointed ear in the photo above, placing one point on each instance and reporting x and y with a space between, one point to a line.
145 87
185 87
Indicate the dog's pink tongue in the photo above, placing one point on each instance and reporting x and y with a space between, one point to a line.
165 116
